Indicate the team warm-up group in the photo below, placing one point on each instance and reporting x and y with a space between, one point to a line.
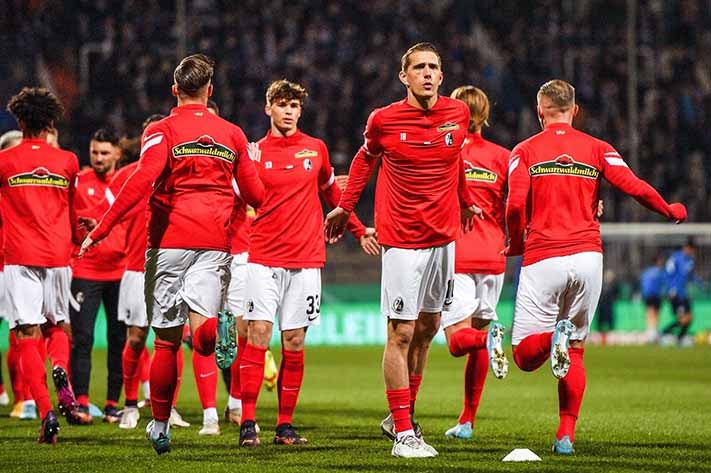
450 206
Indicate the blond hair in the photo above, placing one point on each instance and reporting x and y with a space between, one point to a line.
559 92
405 60
478 104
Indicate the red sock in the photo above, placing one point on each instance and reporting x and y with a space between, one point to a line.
164 374
399 405
570 394
291 374
83 399
474 378
57 344
180 358
13 367
234 369
205 336
415 381
533 351
205 371
130 360
465 340
251 376
144 366
33 372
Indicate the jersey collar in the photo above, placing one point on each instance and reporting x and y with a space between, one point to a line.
558 126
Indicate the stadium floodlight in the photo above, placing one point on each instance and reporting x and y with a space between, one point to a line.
521 455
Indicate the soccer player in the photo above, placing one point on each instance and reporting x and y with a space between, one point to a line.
187 164
551 215
680 271
96 278
652 283
286 254
37 187
479 265
421 189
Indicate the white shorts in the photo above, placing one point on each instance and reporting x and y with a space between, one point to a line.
416 280
475 295
3 299
36 295
180 281
132 303
563 287
238 284
292 295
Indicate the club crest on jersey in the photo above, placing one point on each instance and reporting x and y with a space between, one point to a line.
474 173
449 126
564 165
398 305
308 164
306 153
38 177
205 145
449 139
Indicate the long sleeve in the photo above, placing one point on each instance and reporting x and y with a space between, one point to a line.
363 164
465 198
250 185
617 173
154 156
519 185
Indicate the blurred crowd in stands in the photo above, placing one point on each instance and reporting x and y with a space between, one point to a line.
347 55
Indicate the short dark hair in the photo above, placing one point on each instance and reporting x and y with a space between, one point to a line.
37 108
405 60
690 242
104 135
193 73
156 117
286 90
213 105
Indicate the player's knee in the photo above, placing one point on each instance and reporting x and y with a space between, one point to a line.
400 338
521 361
259 333
454 345
293 340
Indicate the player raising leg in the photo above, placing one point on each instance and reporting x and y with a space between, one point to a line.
554 179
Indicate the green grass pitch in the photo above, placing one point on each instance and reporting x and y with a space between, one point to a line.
646 409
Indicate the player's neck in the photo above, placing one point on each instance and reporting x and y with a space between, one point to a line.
423 103
41 136
560 120
182 101
283 132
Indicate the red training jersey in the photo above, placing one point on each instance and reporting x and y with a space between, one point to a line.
37 187
107 261
287 231
189 159
486 170
135 222
554 179
421 181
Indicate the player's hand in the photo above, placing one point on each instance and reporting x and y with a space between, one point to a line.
600 208
468 215
335 224
342 181
678 212
85 245
255 154
87 223
512 250
369 242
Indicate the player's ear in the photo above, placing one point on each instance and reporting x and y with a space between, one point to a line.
174 90
403 78
576 109
268 110
209 90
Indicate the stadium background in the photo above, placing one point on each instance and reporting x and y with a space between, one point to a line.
642 73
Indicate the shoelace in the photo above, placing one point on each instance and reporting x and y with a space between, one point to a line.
411 441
